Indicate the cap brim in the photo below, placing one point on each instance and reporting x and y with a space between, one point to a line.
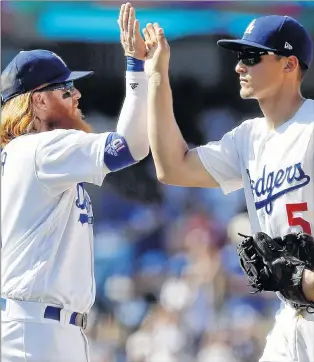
240 44
72 76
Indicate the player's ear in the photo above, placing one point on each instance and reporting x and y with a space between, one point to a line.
39 100
292 63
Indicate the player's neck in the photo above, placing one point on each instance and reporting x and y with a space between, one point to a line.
281 108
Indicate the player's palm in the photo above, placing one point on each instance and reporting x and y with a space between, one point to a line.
132 42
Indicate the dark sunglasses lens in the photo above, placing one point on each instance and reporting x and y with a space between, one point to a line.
69 86
249 59
69 89
252 61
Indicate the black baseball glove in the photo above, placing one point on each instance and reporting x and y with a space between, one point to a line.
278 264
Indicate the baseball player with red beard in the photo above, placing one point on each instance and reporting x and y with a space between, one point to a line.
48 152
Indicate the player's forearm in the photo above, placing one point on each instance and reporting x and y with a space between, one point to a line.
167 144
132 123
308 284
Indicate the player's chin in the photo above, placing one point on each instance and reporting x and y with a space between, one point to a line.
246 93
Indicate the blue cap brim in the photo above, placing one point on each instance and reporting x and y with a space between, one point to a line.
72 76
240 44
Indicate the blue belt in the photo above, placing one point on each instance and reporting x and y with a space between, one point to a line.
76 319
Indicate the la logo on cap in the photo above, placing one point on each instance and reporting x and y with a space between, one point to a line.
250 28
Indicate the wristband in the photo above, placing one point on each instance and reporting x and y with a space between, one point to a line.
134 65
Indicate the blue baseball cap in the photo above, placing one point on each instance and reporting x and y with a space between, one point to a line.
276 33
30 69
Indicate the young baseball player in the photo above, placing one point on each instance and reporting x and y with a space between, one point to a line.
48 153
271 157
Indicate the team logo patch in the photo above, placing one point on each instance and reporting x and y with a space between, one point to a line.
271 185
115 146
117 154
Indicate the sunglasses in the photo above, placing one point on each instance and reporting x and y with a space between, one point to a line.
252 58
68 87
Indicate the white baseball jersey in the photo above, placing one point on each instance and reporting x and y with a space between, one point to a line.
275 168
47 236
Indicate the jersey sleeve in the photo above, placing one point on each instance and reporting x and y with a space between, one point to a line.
66 157
221 159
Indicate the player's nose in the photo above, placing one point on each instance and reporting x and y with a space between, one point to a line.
240 67
76 94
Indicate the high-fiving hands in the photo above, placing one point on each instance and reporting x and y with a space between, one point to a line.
154 49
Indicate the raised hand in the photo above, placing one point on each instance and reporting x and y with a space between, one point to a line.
157 47
131 40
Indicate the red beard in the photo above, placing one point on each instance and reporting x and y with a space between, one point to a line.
81 124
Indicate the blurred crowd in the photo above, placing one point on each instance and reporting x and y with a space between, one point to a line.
169 284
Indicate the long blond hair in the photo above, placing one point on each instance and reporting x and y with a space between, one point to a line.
16 118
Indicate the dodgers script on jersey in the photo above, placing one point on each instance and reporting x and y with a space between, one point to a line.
47 236
275 168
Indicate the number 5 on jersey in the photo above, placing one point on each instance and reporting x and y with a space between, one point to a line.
293 212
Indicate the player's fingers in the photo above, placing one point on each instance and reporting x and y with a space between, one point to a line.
146 35
131 25
120 19
148 42
161 38
156 28
125 20
152 32
136 30
160 35
120 22
134 11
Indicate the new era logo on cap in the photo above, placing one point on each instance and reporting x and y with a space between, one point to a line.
288 46
133 85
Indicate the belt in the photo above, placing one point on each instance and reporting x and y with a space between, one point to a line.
51 312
